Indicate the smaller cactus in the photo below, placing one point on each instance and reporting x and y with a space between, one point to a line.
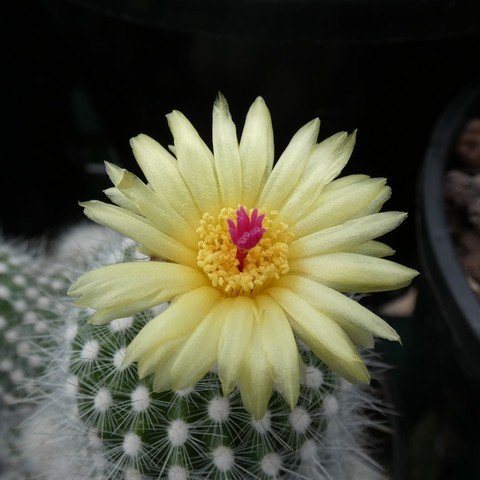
32 314
27 284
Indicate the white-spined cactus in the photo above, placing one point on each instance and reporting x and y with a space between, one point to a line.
28 285
96 418
37 322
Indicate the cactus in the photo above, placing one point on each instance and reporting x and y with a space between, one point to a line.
33 311
198 433
26 286
96 419
33 303
27 283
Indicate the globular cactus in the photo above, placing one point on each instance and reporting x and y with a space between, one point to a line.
27 308
198 433
26 287
99 420
33 304
36 325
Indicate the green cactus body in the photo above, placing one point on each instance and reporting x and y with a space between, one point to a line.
196 433
26 307
96 419
27 284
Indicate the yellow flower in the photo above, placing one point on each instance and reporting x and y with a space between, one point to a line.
253 257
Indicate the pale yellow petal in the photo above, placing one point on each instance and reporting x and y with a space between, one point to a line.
117 197
195 162
284 177
180 318
349 234
162 379
373 248
141 230
353 273
199 353
233 341
280 348
226 154
106 315
345 181
343 310
335 206
324 164
377 202
123 283
323 336
255 379
157 209
161 171
359 337
324 149
155 358
256 151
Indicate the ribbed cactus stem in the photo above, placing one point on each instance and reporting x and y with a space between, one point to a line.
96 419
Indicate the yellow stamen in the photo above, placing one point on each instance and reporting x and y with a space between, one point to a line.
264 262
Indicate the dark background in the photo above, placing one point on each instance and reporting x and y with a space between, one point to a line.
79 78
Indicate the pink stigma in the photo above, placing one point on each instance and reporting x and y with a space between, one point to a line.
246 233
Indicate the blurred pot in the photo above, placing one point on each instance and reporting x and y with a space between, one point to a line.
458 306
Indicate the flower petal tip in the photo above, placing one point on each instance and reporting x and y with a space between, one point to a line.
109 165
258 413
391 335
73 290
365 378
138 138
88 205
114 172
173 116
128 359
126 363
91 321
221 104
227 389
412 273
293 401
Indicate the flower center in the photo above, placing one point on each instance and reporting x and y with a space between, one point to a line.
246 233
242 251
